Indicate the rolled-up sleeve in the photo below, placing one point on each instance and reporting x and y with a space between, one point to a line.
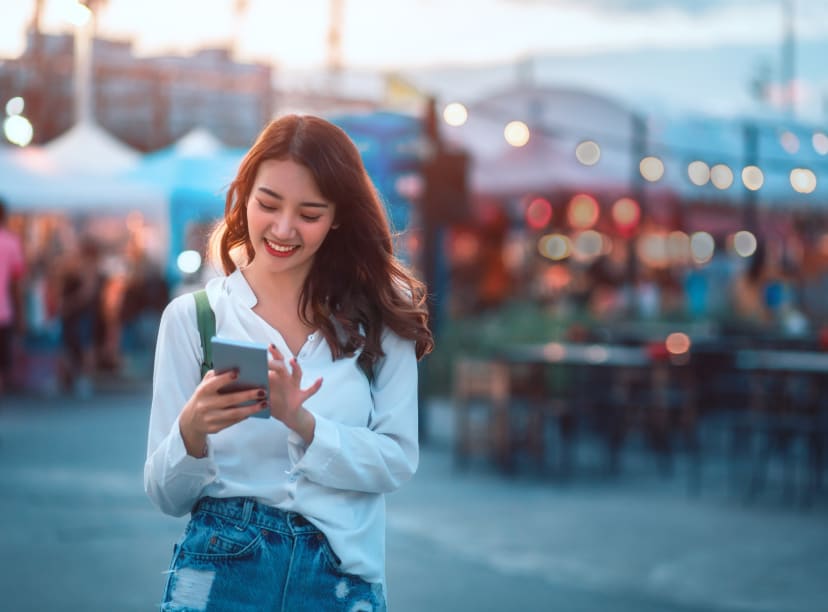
377 458
173 479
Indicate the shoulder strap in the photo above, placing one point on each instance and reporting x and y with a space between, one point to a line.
206 328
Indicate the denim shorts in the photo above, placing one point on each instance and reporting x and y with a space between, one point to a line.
237 554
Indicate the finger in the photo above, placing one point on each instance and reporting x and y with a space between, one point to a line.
276 365
217 380
240 397
276 380
296 370
310 391
231 416
275 352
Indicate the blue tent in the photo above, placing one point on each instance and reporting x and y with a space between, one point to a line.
196 183
391 146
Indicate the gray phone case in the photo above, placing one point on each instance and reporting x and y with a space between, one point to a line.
250 359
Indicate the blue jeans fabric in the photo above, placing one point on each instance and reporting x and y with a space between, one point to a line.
239 555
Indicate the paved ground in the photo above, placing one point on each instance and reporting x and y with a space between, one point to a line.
77 533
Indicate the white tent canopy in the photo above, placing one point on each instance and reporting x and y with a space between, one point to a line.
77 173
198 142
89 149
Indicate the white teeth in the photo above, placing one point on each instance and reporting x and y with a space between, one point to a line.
279 247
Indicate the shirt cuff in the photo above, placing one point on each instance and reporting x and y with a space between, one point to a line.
181 461
316 456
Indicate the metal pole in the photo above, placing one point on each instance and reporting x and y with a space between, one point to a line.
83 72
751 152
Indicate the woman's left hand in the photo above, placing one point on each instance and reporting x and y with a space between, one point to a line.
287 395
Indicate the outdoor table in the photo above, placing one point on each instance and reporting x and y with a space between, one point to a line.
614 384
787 405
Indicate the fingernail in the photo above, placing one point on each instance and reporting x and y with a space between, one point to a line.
261 394
262 404
235 373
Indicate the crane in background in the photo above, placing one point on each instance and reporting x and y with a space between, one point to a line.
334 64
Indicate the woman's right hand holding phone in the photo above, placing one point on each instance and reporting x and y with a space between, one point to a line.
209 411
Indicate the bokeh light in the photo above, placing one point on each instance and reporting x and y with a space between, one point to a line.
721 176
538 213
583 211
678 247
699 173
555 246
803 180
753 178
820 143
744 243
588 152
626 212
702 247
189 262
465 247
652 250
75 13
789 142
455 114
588 245
18 130
651 168
677 343
516 133
15 106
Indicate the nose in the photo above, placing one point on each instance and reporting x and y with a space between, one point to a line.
283 227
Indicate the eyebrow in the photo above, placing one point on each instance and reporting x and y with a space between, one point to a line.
278 196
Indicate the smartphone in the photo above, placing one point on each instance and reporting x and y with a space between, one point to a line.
250 359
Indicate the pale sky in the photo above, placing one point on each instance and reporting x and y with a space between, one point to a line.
406 33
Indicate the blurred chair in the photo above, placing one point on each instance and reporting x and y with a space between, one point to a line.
480 401
501 410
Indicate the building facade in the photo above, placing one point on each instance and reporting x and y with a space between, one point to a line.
147 102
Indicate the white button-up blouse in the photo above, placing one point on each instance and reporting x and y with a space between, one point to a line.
365 442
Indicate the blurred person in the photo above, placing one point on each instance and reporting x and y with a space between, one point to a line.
79 285
289 512
748 291
145 295
12 313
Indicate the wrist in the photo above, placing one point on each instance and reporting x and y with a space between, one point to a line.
195 445
304 424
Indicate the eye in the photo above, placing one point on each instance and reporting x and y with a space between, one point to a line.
265 206
311 218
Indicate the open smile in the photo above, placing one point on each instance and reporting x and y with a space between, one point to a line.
280 250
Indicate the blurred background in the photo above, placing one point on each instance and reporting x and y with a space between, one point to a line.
620 208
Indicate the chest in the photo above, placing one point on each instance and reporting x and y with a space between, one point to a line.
294 332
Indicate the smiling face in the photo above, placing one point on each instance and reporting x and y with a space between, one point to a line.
287 218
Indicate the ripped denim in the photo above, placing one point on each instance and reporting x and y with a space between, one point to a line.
239 555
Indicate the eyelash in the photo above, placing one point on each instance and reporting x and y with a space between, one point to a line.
308 218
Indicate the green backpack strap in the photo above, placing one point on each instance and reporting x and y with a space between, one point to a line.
206 328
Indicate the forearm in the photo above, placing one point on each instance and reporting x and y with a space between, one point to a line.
303 424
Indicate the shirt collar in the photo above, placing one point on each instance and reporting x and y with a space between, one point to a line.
238 288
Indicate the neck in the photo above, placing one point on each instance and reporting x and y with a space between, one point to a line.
279 288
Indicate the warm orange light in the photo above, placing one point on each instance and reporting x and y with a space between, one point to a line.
626 212
556 278
464 247
583 211
678 343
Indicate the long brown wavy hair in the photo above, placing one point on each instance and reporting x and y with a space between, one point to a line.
356 285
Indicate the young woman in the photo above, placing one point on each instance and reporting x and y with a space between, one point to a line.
288 513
